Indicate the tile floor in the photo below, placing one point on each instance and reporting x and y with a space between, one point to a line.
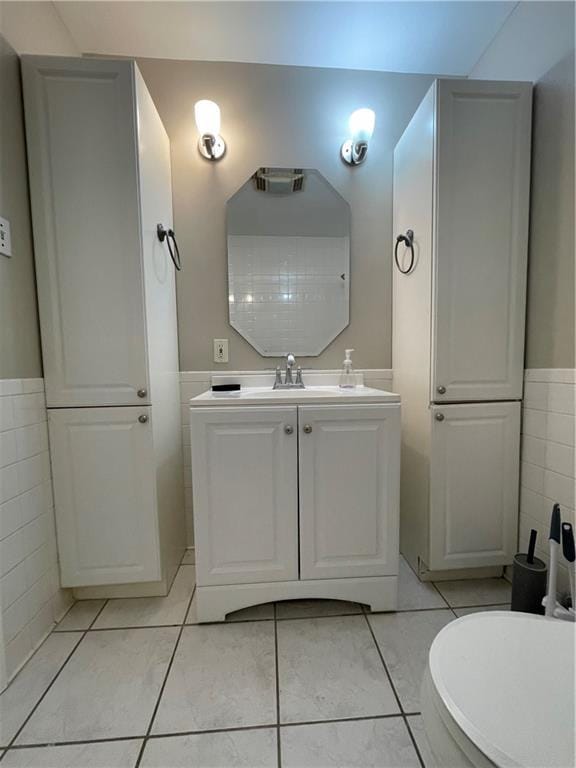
304 684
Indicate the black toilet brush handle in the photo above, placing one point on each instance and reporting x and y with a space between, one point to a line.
531 546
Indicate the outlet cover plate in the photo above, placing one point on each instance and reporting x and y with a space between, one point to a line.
5 238
220 350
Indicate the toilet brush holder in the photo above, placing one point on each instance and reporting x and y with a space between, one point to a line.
528 584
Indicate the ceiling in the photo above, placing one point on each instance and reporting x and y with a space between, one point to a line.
443 38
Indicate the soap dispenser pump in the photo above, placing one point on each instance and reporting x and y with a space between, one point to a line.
347 377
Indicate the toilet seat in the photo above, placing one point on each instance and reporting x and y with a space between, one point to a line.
499 691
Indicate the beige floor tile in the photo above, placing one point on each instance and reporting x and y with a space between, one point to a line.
404 640
80 616
232 749
467 593
108 688
414 594
107 754
151 611
330 668
223 676
295 609
25 690
383 743
188 558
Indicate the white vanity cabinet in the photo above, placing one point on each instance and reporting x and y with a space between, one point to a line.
295 501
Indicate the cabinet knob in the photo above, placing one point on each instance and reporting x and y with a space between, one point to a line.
439 417
441 390
288 429
307 428
143 418
142 392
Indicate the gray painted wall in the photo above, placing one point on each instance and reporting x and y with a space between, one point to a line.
291 117
19 334
537 43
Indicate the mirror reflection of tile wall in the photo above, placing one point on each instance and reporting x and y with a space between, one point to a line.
287 294
288 235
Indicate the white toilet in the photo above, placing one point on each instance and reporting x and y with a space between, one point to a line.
499 691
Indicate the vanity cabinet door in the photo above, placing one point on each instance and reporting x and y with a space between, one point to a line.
474 485
349 490
104 492
481 240
245 479
82 155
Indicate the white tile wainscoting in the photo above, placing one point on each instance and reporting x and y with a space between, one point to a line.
30 596
547 469
193 383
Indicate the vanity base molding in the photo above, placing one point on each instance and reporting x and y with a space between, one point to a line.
487 572
215 602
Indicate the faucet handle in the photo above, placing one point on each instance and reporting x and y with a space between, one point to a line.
299 381
278 379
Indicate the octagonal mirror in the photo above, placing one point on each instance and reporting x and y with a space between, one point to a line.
288 261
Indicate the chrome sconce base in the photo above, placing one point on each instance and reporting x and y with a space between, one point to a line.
211 147
354 153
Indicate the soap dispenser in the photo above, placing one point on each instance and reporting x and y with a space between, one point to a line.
347 377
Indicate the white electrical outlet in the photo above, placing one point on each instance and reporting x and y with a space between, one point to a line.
5 239
220 350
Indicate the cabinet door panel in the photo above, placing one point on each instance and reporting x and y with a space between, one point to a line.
483 174
244 466
80 124
474 485
349 477
104 491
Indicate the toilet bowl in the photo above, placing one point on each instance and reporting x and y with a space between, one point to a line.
499 691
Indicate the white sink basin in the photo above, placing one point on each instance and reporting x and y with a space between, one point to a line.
329 395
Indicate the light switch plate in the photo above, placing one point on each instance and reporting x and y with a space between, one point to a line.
220 350
5 239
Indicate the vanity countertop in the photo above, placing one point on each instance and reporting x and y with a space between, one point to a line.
325 395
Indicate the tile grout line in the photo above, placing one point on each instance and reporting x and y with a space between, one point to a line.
56 676
400 706
277 671
234 729
163 686
414 743
446 607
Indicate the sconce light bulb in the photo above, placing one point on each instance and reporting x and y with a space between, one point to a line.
207 115
361 124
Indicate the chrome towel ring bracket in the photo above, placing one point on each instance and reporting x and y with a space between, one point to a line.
408 240
168 234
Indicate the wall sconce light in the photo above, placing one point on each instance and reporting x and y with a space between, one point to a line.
361 125
210 144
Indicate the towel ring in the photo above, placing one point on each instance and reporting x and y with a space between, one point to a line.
168 234
408 240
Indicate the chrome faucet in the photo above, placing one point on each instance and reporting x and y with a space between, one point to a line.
289 382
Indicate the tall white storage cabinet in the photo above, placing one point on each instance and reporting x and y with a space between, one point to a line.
100 176
461 184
